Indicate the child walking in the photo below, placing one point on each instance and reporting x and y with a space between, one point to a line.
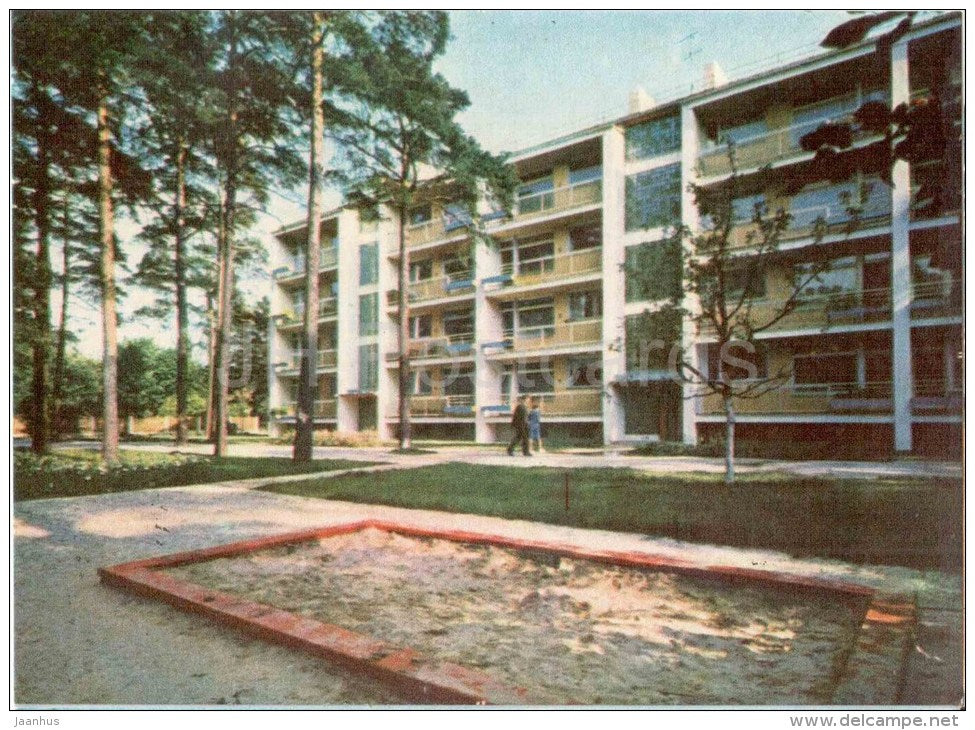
535 424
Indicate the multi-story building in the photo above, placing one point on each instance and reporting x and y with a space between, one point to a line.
556 302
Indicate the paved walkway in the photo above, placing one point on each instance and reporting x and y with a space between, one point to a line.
495 456
78 642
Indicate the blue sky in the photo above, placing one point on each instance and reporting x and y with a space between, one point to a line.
532 75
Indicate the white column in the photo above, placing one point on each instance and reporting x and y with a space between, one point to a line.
387 385
347 304
487 328
689 216
900 265
614 294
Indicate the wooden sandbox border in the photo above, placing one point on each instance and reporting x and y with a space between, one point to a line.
422 679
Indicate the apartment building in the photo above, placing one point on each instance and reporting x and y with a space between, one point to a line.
558 302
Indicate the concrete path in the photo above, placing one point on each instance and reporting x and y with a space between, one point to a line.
590 458
79 643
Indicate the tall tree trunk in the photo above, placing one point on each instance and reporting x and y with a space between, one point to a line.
225 252
729 447
308 381
106 225
211 365
58 374
405 436
41 341
182 315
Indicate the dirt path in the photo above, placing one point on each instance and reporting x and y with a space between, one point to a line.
77 642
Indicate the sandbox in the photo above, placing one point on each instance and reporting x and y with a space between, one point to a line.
475 619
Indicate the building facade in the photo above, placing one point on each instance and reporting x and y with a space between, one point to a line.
557 301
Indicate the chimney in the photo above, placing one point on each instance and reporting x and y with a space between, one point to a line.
714 76
640 100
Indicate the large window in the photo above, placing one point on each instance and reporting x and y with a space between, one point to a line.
528 378
585 305
458 267
460 381
581 239
368 314
421 270
585 372
825 369
653 271
421 326
458 324
585 174
536 195
653 198
833 204
368 264
650 336
653 138
741 362
421 382
530 318
420 214
841 276
368 367
528 256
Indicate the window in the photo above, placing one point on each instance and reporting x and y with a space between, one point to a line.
368 314
740 133
536 195
535 318
421 270
738 280
420 215
653 198
825 369
458 324
581 239
930 281
832 203
585 373
536 256
421 326
368 264
421 382
653 138
456 215
458 268
650 336
585 305
368 367
841 277
738 363
653 271
535 377
460 382
585 174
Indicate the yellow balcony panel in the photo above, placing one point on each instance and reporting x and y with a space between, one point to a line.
557 268
823 399
822 311
581 332
825 220
581 403
423 233
558 200
937 299
324 408
440 406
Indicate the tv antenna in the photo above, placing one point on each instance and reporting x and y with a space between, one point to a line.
690 47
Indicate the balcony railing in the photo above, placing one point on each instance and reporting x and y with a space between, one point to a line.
937 298
581 332
935 394
426 348
771 146
554 268
564 403
326 359
328 259
869 397
559 199
327 307
830 219
323 408
460 406
821 311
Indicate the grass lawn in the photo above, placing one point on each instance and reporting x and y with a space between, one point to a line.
911 522
73 472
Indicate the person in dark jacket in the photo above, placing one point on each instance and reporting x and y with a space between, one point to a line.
519 424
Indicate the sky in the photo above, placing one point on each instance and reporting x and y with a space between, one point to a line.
533 75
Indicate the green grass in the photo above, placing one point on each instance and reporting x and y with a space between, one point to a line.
912 522
74 472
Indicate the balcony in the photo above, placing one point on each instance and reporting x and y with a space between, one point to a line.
821 398
937 299
559 200
935 395
429 348
324 408
582 403
555 268
829 219
581 332
326 360
327 307
439 406
777 144
822 311
328 259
